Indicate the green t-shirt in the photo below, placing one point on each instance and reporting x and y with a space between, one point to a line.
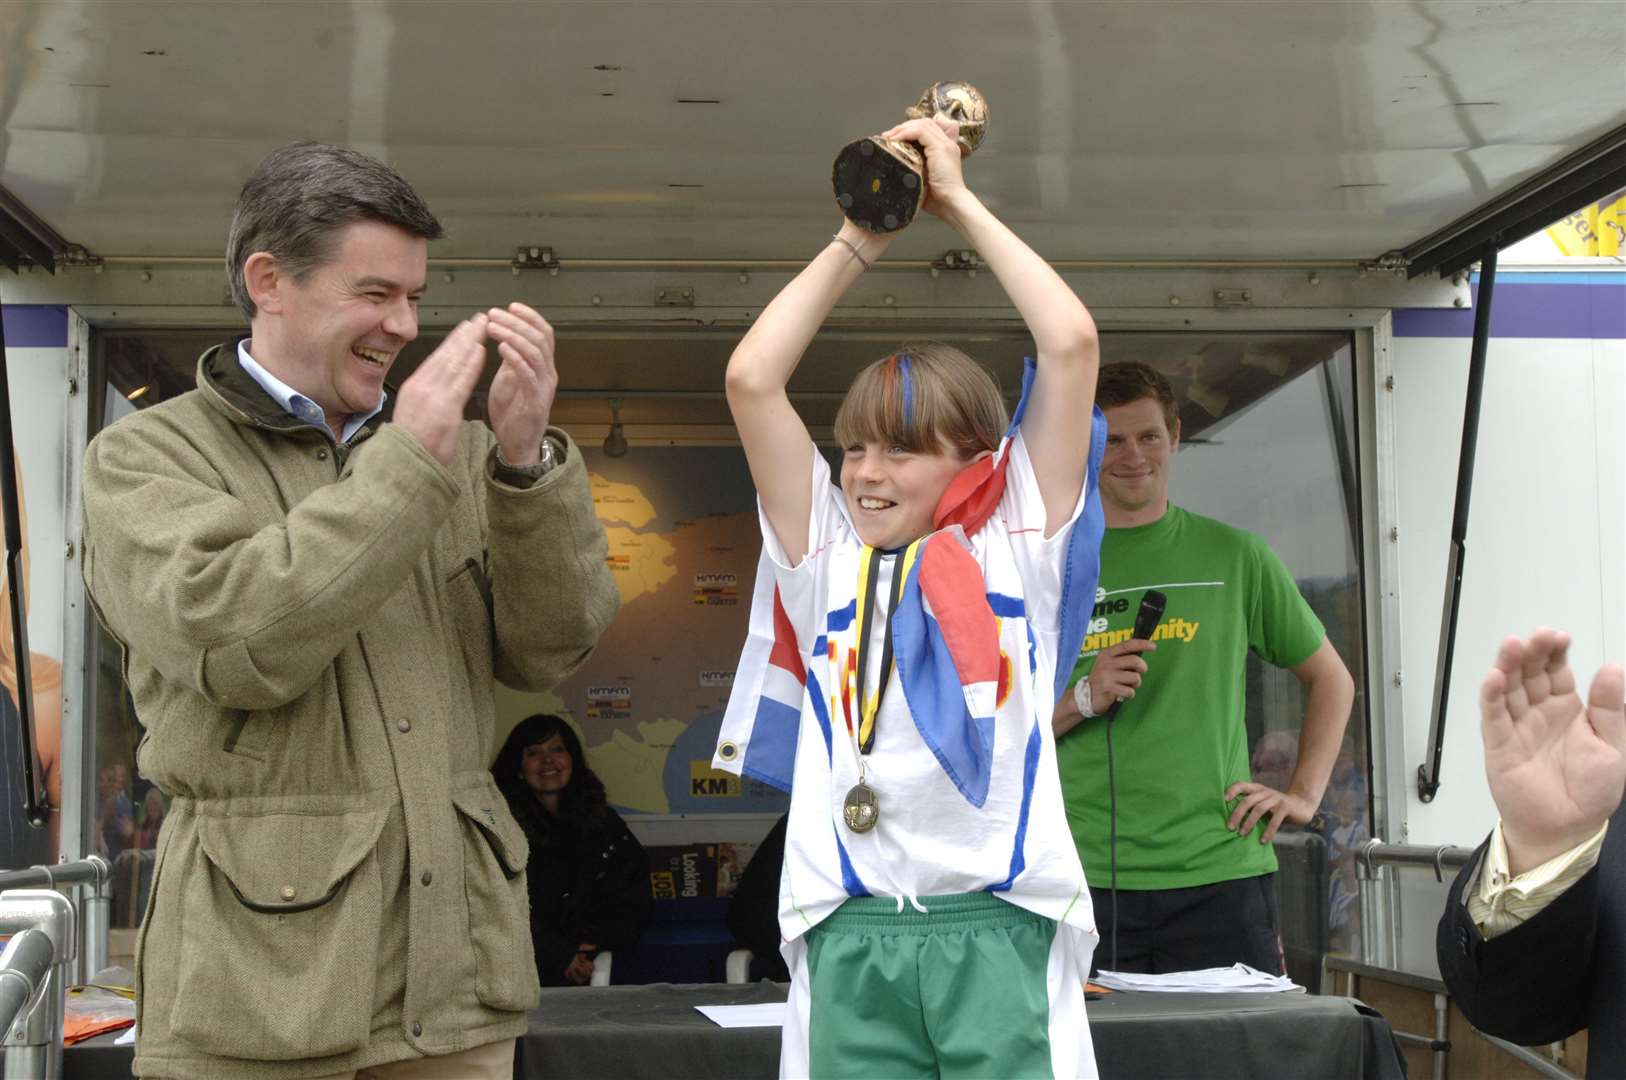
1182 740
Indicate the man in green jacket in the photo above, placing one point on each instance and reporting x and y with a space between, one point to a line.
314 605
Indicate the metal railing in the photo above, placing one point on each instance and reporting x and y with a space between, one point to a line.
1381 929
94 903
24 964
1440 859
42 957
35 970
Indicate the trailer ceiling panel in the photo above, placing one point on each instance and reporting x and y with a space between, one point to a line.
665 129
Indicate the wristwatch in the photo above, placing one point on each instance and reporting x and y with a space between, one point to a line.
535 471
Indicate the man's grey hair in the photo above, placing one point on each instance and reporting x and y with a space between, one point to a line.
302 195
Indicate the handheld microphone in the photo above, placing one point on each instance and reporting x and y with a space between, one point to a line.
1146 620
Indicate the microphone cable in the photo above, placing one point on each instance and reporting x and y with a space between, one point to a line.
1112 827
1147 616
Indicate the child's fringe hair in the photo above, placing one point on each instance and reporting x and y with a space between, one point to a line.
920 397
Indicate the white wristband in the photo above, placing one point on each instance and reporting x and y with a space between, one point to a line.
1081 697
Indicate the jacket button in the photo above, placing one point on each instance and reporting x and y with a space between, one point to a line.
288 892
321 454
403 726
417 1030
1462 940
428 876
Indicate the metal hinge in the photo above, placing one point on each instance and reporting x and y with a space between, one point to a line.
534 258
78 256
958 259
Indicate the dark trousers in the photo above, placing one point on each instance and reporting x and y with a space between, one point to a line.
1204 926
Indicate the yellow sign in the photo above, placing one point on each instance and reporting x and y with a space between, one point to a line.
707 782
1599 229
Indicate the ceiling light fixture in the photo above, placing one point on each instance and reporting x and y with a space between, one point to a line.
615 443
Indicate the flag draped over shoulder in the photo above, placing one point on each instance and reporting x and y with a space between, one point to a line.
758 737
945 635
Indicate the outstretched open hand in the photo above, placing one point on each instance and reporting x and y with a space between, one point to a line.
1556 768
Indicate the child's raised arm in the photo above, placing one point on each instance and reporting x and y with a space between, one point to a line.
1064 336
777 445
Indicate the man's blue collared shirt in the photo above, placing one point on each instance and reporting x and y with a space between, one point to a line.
299 406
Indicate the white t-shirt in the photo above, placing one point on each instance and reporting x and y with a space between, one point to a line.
930 838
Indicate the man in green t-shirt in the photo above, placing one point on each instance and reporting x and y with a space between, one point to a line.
1195 869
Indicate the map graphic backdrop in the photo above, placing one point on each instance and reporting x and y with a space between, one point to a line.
684 540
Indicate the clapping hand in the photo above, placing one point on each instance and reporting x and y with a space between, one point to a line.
431 400
522 391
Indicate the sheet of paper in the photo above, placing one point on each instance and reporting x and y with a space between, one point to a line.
1236 979
127 1039
769 1014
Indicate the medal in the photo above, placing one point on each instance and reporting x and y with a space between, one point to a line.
861 809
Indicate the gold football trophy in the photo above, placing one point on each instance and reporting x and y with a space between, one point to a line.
879 182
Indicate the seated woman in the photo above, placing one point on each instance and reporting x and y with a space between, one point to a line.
588 876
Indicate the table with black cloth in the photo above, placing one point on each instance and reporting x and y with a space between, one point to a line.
627 1032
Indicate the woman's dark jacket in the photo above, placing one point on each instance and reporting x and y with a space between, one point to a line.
589 882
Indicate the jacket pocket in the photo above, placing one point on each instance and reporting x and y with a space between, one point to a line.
494 855
281 919
476 574
260 734
468 608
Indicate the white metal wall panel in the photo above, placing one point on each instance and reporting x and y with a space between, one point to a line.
1544 547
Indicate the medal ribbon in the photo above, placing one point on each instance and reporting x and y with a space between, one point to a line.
869 569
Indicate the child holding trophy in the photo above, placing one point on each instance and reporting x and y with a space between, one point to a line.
903 666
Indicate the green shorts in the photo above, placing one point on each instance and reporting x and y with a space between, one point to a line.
960 990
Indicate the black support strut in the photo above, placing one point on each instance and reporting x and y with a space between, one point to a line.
1428 773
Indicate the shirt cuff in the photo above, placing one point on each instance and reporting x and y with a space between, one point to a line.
1499 901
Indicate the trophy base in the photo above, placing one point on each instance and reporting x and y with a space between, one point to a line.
876 189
